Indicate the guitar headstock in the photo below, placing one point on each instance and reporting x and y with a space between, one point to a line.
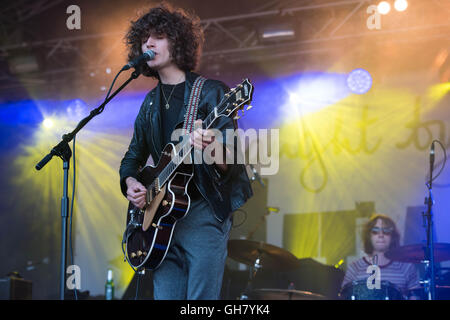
235 100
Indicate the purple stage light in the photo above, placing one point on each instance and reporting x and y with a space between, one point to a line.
359 81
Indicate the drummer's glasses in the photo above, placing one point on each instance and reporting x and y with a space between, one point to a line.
377 230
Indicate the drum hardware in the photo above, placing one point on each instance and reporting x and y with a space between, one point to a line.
282 294
353 290
442 292
256 267
417 254
358 290
259 255
270 256
425 285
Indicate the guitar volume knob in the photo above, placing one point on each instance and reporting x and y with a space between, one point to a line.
154 225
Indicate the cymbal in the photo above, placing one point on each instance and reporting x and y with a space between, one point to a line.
415 253
271 257
280 294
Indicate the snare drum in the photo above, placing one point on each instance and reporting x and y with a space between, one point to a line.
358 290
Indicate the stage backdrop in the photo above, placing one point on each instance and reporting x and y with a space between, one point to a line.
342 156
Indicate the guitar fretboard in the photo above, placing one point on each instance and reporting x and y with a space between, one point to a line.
184 148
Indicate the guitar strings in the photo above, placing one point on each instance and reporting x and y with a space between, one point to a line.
170 168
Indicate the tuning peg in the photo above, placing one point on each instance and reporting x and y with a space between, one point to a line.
249 107
236 117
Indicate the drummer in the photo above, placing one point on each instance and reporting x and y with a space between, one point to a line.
380 235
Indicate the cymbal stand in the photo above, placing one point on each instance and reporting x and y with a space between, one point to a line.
253 270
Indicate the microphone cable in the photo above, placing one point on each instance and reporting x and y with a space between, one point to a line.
71 212
112 84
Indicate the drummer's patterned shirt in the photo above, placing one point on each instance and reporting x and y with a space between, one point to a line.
403 275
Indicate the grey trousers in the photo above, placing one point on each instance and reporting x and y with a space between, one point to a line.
194 265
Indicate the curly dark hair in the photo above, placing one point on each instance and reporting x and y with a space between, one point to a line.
387 222
182 29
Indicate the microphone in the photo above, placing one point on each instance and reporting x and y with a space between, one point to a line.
432 155
431 164
146 56
375 260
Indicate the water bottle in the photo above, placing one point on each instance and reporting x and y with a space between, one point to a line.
109 286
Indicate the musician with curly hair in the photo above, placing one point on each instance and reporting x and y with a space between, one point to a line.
194 265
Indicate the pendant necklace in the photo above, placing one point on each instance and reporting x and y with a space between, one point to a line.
167 100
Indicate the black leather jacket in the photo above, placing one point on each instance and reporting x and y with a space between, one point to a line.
225 192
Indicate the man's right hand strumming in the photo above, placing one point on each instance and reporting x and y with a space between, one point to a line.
136 192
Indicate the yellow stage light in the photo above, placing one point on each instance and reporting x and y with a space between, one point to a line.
48 123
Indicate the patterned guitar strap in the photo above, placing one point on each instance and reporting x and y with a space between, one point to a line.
191 112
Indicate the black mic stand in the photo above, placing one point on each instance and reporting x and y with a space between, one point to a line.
63 151
429 251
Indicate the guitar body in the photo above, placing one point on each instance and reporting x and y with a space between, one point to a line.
149 232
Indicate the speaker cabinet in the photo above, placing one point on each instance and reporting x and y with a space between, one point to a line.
12 288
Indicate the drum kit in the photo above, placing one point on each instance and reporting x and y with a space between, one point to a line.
259 255
358 290
417 254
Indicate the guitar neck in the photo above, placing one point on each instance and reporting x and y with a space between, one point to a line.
184 149
228 105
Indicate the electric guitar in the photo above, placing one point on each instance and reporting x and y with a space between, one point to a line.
149 231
